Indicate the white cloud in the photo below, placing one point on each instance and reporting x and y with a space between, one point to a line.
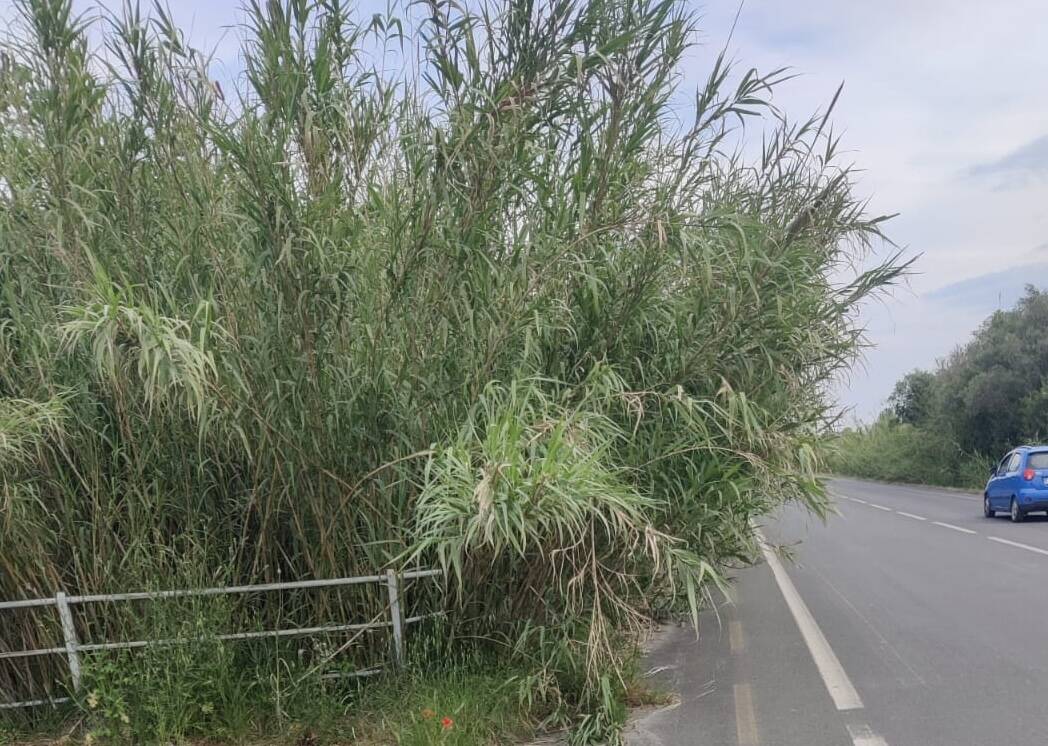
932 90
1023 165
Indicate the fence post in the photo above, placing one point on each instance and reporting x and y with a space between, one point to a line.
394 612
69 632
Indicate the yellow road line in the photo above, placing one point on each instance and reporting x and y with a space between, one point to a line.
735 638
745 720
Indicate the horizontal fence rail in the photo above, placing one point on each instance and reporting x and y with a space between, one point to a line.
73 647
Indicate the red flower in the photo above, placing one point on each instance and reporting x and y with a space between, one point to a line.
446 723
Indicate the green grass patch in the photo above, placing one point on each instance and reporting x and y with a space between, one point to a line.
472 706
466 705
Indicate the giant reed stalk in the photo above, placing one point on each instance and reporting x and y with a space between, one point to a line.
497 309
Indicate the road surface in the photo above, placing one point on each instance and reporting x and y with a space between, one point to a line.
906 620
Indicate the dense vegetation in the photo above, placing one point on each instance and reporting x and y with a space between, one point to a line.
499 310
947 427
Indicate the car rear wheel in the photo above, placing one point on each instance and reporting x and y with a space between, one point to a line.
987 510
1016 514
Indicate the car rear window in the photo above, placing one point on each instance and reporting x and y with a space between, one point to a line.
1037 460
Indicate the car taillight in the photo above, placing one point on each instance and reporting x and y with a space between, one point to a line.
1028 475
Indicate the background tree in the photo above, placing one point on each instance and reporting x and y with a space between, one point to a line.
989 395
911 400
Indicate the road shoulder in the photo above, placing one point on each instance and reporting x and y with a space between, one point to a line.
747 679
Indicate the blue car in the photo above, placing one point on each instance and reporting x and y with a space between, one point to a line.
1018 484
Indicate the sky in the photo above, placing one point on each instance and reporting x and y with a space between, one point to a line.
942 112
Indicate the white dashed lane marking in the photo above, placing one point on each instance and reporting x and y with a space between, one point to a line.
1027 547
952 527
863 736
955 528
911 515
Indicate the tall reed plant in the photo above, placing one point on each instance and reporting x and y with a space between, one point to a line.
497 308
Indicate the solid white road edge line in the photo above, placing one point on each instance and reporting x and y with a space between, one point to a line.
911 515
955 528
836 680
1027 547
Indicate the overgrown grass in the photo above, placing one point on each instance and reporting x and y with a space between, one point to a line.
899 452
475 705
470 706
198 693
499 310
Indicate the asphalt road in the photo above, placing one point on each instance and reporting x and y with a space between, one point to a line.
913 621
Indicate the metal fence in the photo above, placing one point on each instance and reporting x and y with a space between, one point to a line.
73 647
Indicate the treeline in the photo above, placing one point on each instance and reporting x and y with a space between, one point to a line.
498 310
947 426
